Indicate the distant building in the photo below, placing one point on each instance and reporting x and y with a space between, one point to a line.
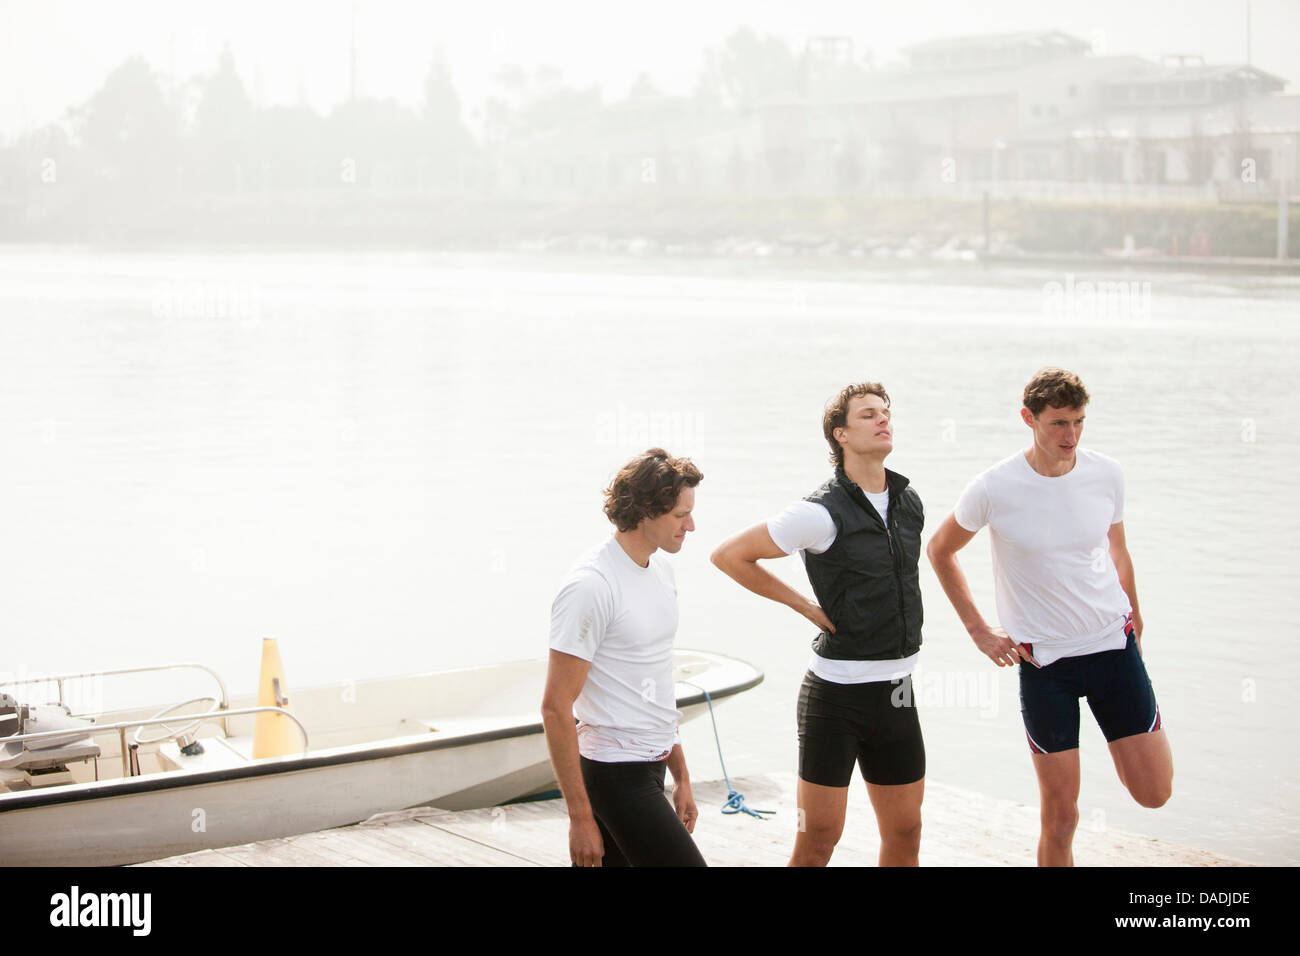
1038 108
994 51
1030 113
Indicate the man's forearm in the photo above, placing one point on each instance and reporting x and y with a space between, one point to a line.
562 743
953 580
677 765
750 575
1128 581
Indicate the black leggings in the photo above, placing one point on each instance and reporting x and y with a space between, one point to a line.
638 825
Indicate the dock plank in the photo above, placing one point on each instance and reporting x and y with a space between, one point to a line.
369 851
534 832
318 845
199 858
439 847
962 828
276 853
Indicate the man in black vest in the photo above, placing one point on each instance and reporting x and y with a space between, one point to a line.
860 537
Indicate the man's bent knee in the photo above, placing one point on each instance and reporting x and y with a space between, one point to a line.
1153 795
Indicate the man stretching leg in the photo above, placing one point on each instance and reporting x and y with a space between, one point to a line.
1067 603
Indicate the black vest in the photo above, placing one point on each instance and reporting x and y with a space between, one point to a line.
867 582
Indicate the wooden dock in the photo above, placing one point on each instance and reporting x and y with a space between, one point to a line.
961 828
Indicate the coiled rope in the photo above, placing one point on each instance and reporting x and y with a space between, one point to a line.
735 800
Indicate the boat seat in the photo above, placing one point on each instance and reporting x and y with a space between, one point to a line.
218 754
48 753
13 756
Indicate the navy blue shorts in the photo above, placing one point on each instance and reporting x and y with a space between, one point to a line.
1116 684
874 725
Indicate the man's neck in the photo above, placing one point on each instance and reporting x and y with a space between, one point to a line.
867 473
1049 467
635 546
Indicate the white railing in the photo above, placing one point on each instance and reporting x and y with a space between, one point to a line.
60 678
123 726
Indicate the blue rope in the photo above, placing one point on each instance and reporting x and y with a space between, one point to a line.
735 801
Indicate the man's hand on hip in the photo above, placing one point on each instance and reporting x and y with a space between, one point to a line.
996 645
815 614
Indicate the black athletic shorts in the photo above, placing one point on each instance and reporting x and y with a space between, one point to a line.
1115 683
638 825
873 725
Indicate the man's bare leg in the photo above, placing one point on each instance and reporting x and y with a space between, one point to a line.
898 817
1145 766
1058 793
821 821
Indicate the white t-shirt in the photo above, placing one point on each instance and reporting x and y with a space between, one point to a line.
622 618
806 526
1055 583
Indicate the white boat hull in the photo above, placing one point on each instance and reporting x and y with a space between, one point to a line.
473 762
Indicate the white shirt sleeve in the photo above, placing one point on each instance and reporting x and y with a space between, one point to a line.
972 508
804 526
581 614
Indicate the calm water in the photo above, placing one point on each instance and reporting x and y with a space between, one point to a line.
388 461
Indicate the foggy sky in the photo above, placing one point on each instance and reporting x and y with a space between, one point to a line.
56 53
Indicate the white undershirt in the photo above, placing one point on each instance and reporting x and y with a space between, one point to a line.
808 527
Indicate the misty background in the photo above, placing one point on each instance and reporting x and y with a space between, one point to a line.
750 129
330 321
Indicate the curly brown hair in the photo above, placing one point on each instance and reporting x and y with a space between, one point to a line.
837 413
648 486
1055 387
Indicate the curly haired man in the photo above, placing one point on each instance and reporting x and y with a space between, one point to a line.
611 666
